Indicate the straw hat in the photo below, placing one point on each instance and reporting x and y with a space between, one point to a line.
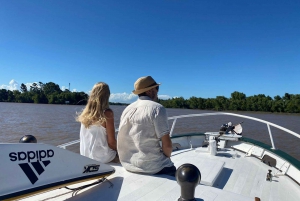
144 84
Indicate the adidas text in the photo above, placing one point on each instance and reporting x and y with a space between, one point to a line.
31 155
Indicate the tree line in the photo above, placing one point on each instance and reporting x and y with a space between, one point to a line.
50 93
289 103
43 93
47 93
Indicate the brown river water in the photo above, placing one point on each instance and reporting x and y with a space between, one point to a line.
55 124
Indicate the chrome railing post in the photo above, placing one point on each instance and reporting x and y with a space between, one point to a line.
173 125
271 137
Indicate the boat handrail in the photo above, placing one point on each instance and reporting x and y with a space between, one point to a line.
238 115
211 114
68 144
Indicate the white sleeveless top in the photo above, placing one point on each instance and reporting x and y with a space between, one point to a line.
93 144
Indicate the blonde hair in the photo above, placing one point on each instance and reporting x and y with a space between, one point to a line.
98 102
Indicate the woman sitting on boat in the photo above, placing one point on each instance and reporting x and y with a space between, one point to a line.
97 132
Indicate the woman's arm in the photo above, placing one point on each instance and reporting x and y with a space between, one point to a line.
110 129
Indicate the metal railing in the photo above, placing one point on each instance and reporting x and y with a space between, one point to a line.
68 144
237 115
211 114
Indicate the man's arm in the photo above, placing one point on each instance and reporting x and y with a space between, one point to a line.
166 145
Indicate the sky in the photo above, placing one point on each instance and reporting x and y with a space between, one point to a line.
201 48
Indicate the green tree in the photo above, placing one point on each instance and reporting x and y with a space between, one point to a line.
23 88
3 95
237 101
221 103
52 98
209 103
193 103
10 96
17 95
34 88
179 102
80 98
50 88
277 104
25 98
293 105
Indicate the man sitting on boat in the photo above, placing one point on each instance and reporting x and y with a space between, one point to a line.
142 125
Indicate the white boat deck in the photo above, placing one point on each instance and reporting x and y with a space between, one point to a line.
241 178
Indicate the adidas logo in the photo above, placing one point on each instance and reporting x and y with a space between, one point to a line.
29 167
38 168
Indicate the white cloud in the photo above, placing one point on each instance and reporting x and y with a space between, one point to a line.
63 88
13 85
28 85
129 98
164 97
122 98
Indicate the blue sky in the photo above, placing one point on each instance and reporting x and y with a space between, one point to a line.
201 48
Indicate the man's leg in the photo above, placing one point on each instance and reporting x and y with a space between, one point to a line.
168 171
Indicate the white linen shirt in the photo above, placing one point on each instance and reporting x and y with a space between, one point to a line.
93 144
142 125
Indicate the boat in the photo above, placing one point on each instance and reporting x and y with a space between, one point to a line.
211 165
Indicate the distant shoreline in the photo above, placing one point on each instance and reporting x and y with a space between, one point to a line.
50 93
229 111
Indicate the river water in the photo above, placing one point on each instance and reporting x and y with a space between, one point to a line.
55 124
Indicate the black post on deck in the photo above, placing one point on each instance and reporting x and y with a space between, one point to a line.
28 139
188 176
